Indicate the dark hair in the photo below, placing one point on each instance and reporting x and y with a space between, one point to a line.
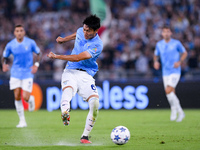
92 22
19 25
166 27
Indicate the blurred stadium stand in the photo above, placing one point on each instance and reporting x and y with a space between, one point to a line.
133 32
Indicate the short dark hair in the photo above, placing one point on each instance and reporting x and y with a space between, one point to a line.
166 27
92 22
19 25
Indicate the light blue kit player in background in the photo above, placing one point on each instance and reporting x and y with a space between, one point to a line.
21 74
80 69
172 54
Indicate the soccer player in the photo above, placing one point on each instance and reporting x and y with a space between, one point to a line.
80 69
172 54
21 76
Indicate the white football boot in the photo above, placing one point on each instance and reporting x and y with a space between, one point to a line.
22 124
181 116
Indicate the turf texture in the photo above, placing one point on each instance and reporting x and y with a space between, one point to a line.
150 129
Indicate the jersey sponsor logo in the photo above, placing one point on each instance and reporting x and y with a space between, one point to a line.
26 48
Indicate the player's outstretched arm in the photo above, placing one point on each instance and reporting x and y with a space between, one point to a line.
61 40
74 58
5 66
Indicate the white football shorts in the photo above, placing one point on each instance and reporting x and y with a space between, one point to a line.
81 82
171 80
25 84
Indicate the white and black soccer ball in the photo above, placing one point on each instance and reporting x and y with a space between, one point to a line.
120 135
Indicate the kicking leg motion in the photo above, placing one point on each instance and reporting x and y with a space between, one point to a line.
65 105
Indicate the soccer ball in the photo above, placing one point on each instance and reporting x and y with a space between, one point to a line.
120 135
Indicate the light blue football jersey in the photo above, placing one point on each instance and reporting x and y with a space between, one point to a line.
23 57
169 54
93 46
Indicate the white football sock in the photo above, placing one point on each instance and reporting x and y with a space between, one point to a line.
174 102
92 115
20 110
65 100
171 102
31 101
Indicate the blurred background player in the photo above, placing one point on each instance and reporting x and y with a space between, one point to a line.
169 51
21 75
80 69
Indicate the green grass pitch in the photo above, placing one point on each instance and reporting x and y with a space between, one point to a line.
150 129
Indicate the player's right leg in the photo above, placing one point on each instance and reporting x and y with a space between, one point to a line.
15 84
19 108
65 104
170 97
169 89
69 88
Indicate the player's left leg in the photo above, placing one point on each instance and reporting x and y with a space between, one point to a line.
91 118
30 99
175 103
173 99
27 85
88 91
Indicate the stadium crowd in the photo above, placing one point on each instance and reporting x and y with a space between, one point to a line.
133 31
